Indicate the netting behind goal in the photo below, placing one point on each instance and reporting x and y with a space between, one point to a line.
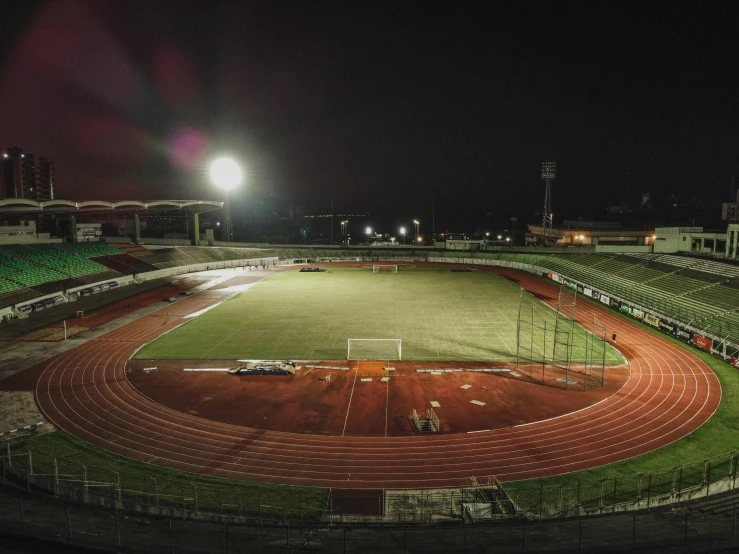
374 349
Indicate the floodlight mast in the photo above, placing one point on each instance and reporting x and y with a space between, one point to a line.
226 174
548 173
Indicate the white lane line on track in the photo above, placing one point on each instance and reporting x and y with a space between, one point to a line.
654 359
356 371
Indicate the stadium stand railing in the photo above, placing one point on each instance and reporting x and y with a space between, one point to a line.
91 249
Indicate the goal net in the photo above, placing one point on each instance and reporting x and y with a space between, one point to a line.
377 268
374 349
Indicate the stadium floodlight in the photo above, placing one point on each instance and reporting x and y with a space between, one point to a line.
225 173
500 237
402 232
368 230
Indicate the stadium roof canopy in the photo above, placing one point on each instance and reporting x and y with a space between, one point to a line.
21 206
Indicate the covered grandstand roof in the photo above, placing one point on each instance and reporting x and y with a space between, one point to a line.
17 206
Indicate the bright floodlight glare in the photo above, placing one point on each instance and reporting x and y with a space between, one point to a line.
402 230
225 173
415 221
368 230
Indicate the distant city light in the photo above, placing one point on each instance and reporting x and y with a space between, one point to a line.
500 237
225 173
420 239
508 239
487 234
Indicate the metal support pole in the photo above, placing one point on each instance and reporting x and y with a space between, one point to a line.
117 527
633 534
227 540
541 501
579 537
23 517
523 537
686 526
10 458
69 521
708 479
171 538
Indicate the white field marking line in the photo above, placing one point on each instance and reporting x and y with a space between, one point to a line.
387 400
356 371
205 369
480 431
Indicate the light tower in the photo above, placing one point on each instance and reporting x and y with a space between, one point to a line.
226 174
548 173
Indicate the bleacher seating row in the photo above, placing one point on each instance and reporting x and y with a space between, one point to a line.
703 293
28 270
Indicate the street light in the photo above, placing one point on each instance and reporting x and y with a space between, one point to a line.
226 174
416 229
402 232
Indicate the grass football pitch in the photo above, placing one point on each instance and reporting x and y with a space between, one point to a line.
438 315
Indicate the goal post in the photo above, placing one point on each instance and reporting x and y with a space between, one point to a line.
384 268
374 349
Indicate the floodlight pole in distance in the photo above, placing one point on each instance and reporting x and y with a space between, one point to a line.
548 173
416 230
226 174
513 220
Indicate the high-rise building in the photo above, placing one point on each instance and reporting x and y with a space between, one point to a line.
45 172
21 177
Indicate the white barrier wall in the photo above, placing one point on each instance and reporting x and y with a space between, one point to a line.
71 294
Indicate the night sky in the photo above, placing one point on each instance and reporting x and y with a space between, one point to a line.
380 107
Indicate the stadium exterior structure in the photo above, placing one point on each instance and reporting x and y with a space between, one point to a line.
717 347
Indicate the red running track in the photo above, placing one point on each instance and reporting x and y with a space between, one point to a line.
670 394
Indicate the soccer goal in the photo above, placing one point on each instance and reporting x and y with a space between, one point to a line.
377 268
374 349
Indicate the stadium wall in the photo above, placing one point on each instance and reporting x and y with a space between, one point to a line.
72 294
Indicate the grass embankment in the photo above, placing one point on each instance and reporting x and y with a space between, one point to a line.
149 484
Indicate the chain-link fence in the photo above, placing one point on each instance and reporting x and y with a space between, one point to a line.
698 529
479 501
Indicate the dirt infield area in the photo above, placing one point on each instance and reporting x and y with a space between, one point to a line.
357 401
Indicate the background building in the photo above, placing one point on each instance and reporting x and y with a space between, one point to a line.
22 177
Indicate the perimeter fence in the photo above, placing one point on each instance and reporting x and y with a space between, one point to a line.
484 499
685 529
